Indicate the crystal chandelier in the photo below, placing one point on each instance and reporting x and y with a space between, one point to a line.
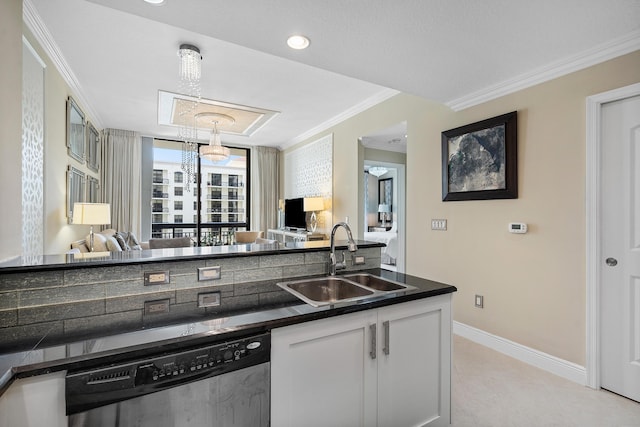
215 152
378 171
189 84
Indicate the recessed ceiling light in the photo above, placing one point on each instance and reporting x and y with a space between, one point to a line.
155 2
298 42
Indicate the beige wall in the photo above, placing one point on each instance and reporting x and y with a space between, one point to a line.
533 284
11 129
58 234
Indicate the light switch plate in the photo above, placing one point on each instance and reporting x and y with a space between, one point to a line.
439 224
157 278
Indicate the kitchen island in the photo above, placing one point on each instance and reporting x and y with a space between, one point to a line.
250 303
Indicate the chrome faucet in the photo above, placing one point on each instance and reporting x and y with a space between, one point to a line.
351 245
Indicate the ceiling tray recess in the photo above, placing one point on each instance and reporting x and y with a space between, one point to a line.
246 120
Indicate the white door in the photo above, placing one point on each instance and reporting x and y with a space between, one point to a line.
620 248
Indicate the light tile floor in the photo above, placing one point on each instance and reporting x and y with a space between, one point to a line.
490 389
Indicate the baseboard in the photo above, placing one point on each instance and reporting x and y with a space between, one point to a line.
539 359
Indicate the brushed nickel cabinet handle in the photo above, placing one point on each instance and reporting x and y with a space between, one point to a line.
385 327
372 350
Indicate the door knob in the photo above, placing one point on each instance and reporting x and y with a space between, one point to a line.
611 262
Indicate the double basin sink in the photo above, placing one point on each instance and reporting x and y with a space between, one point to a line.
333 290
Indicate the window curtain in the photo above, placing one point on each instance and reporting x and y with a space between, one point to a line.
264 188
120 178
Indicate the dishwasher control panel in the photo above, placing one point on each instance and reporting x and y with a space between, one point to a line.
203 360
88 389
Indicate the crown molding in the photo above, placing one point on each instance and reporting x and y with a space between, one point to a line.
376 99
44 38
600 53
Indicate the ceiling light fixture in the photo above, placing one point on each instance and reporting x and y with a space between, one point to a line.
189 84
298 42
215 152
155 2
378 171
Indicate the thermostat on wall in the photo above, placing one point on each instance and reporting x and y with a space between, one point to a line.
517 227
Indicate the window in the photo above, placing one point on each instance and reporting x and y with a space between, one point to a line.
157 176
215 179
218 206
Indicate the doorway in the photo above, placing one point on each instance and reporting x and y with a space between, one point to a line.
613 276
384 183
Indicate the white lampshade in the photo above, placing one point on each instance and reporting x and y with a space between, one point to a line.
91 213
384 208
313 204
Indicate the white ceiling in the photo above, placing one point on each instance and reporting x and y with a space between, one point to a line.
121 52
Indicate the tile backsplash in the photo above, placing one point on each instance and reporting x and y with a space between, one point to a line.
81 301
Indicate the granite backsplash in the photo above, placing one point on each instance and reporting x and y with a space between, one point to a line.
69 303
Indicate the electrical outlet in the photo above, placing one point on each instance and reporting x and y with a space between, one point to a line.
439 224
156 307
479 301
208 273
157 278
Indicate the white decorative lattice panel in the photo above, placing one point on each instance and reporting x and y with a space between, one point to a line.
309 169
32 152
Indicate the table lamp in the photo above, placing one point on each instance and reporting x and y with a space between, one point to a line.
384 209
91 214
313 204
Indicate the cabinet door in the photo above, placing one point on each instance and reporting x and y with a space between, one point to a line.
322 373
34 402
414 385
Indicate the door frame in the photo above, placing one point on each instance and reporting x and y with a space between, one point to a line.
594 224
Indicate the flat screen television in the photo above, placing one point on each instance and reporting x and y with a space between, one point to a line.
294 214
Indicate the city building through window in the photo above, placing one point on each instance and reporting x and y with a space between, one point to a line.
218 202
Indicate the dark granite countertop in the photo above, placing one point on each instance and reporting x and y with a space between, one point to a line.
102 259
120 345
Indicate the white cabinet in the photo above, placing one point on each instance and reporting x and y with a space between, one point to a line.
385 367
34 402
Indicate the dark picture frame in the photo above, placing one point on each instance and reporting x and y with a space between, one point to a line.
385 195
480 160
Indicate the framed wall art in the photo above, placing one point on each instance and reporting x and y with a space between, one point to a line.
76 181
479 160
75 131
93 148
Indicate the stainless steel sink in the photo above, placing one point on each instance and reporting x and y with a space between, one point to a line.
377 283
340 289
326 290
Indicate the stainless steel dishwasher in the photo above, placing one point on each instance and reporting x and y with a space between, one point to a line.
224 384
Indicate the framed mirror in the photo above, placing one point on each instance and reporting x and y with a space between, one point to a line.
76 180
93 185
75 131
385 198
93 148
